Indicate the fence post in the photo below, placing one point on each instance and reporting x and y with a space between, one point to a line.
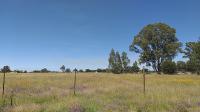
75 82
144 81
4 75
11 98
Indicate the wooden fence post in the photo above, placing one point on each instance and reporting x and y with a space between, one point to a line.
4 76
144 81
75 82
11 98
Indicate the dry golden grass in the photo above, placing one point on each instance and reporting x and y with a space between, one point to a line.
102 92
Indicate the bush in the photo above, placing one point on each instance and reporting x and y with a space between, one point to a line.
168 67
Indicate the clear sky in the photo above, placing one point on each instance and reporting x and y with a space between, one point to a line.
80 33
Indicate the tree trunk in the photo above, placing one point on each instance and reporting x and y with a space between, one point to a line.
159 67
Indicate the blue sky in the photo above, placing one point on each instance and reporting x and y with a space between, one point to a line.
80 33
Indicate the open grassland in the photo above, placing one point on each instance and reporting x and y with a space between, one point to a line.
102 92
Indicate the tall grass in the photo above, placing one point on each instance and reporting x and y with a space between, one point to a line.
101 92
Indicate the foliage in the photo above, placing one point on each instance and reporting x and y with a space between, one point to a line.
75 70
135 67
116 65
62 68
168 67
67 70
190 66
44 70
89 70
111 59
125 61
181 66
156 43
101 70
20 71
192 51
5 69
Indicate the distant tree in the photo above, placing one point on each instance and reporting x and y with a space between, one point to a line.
135 67
81 71
115 62
5 69
36 71
125 61
181 66
44 70
156 43
18 71
168 67
117 68
111 59
101 70
67 70
75 70
88 70
62 68
25 71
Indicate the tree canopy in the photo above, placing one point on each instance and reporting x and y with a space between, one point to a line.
6 69
156 43
62 68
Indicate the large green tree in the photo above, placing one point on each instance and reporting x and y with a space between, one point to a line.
125 61
156 43
192 51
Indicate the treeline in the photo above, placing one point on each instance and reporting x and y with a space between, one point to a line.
157 46
63 70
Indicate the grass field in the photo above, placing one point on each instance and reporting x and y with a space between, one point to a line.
101 93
